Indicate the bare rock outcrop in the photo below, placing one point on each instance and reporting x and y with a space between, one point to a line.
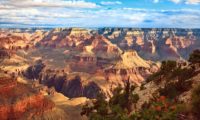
19 101
130 66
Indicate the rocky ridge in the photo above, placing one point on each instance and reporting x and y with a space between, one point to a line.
83 62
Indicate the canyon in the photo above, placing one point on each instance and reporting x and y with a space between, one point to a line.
58 70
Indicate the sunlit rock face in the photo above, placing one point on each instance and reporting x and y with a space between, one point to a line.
150 43
20 39
101 58
84 62
73 37
130 66
20 101
24 99
147 42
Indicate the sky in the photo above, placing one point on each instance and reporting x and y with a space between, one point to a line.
100 13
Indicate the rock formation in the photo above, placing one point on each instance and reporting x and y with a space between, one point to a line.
130 66
20 101
81 63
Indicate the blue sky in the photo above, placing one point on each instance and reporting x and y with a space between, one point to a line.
100 13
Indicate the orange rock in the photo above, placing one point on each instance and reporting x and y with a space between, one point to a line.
17 99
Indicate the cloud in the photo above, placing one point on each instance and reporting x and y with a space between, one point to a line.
41 12
179 18
111 2
120 17
176 1
49 3
192 2
60 13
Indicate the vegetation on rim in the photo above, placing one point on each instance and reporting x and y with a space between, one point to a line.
164 106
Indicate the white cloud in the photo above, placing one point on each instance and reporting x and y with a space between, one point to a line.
176 1
165 18
111 2
39 16
126 17
192 2
44 12
50 3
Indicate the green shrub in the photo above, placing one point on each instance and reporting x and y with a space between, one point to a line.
117 108
155 77
167 67
159 108
181 83
195 57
